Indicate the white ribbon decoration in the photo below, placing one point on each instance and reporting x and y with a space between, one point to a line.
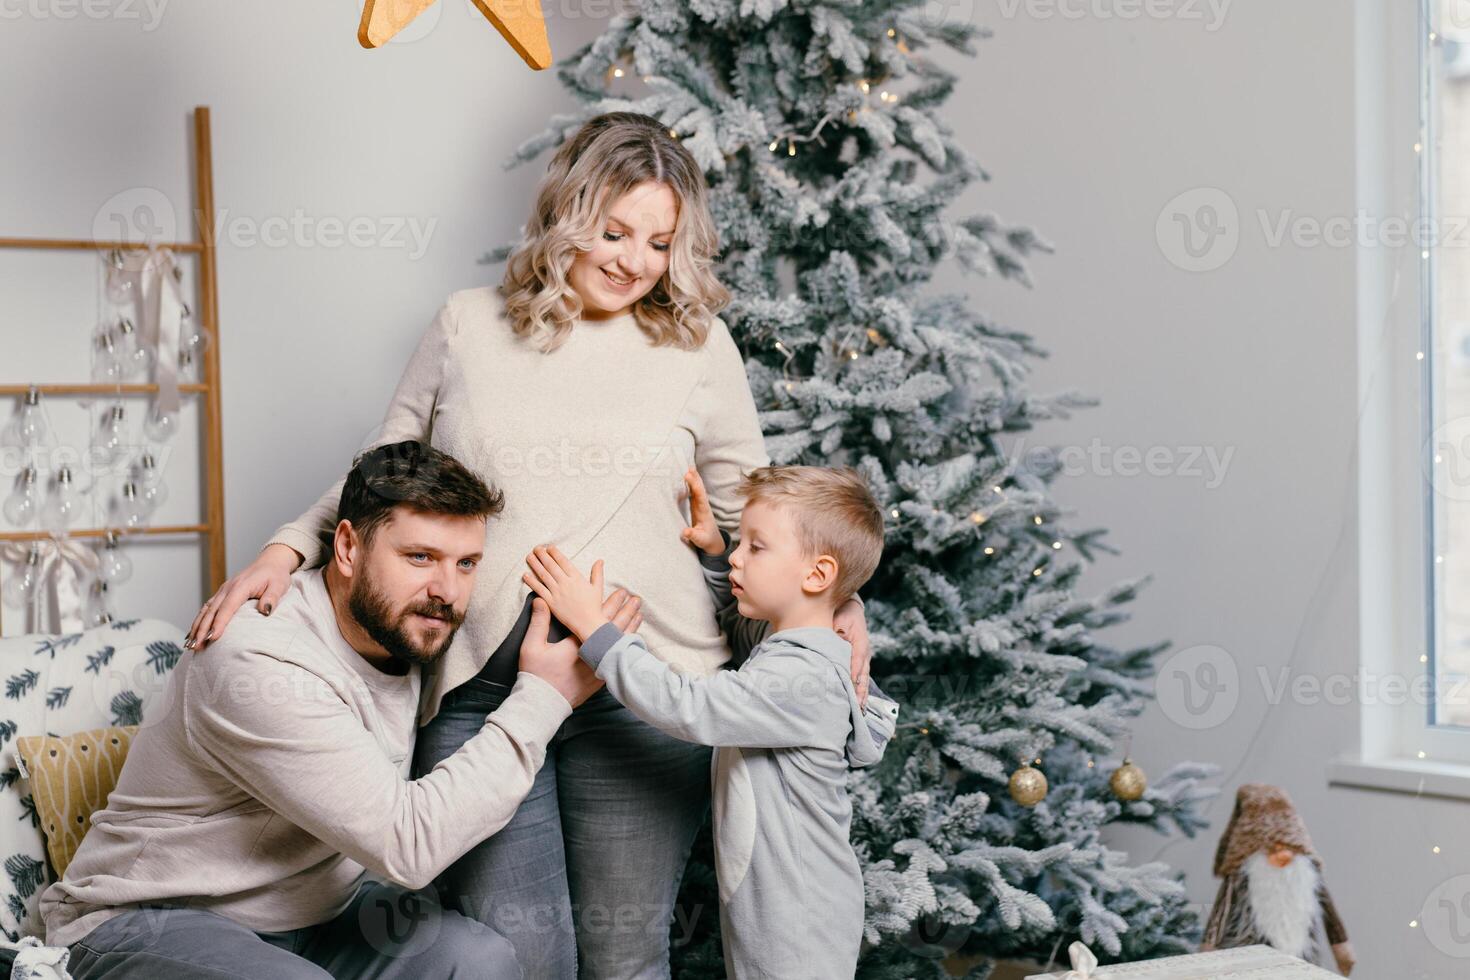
1083 963
159 314
69 563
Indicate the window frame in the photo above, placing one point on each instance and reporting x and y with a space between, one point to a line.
1399 747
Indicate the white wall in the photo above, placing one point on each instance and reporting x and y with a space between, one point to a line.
1090 126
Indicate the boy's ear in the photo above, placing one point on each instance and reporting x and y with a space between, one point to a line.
821 576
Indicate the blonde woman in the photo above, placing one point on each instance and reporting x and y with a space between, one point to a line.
583 387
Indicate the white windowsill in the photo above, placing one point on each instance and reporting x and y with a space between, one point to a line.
1416 777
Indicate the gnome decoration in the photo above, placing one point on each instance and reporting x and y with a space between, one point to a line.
1272 890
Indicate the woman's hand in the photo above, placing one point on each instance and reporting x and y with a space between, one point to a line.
574 600
852 625
266 579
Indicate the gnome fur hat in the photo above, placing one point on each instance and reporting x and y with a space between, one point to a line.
1262 899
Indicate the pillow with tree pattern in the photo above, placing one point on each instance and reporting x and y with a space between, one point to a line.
58 685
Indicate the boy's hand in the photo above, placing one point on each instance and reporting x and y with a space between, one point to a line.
574 600
558 663
703 533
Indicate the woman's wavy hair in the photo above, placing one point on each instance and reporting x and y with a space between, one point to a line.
608 156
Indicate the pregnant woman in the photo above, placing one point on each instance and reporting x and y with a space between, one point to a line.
583 387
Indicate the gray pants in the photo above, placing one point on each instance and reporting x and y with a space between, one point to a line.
386 933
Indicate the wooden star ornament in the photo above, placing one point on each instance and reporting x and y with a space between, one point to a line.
518 21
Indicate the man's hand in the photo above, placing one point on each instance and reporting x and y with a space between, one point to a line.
703 533
558 663
574 600
852 626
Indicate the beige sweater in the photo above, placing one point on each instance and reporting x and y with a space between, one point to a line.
274 774
589 443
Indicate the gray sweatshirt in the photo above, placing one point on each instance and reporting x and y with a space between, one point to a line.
787 728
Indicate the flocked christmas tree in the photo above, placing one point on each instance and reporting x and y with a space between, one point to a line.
819 126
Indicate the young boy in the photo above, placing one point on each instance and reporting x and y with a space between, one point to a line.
787 725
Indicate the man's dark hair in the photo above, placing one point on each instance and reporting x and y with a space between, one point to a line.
413 475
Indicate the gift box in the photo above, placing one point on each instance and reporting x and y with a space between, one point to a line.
1243 963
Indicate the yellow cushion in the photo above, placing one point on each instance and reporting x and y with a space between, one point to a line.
70 778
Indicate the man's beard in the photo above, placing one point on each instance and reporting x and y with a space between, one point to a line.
371 610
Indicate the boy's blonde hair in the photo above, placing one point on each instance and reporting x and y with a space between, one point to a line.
834 512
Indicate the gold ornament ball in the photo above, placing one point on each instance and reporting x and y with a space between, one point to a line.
1028 786
1128 781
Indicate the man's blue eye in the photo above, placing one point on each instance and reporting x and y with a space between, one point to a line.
419 554
469 563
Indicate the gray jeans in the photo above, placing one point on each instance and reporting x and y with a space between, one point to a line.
591 862
386 933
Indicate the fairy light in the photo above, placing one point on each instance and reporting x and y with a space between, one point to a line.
893 33
894 512
617 73
1418 147
977 517
1424 658
1420 356
990 551
1037 518
1056 545
1423 754
1035 572
774 144
790 149
782 347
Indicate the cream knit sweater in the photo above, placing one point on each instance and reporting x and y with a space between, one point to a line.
589 443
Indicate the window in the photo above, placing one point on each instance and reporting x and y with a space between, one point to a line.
1413 479
1444 57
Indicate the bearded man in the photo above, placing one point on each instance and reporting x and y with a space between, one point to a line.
264 824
